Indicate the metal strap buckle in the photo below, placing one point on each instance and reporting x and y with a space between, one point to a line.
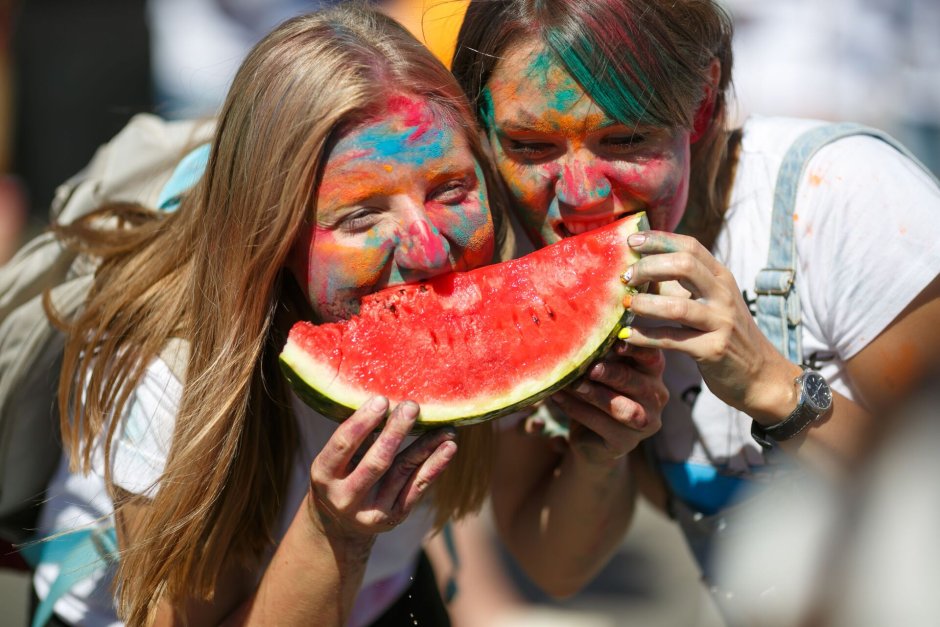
777 289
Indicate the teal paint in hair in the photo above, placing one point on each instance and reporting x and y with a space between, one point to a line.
487 112
624 96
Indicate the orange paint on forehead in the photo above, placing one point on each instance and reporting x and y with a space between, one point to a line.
550 100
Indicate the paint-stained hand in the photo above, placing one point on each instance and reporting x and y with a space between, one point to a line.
361 485
712 324
616 405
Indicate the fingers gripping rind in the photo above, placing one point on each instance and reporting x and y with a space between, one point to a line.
410 464
336 456
380 456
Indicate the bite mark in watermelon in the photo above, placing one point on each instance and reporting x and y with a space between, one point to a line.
472 346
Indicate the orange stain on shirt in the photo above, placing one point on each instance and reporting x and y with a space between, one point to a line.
815 179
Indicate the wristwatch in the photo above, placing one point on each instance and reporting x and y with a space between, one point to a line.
815 399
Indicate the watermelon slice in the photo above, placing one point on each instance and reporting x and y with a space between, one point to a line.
472 346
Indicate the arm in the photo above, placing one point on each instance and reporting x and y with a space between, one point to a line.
562 507
745 371
318 566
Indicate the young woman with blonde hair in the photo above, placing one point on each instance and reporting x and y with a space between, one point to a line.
345 159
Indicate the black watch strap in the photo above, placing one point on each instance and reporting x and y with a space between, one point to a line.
796 422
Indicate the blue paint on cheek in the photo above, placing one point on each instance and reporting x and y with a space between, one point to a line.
473 214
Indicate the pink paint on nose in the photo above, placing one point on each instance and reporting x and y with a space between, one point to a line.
423 247
581 185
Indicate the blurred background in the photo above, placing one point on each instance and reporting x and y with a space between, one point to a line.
73 73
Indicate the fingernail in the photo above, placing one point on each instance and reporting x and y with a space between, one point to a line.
583 387
625 333
627 301
626 276
448 449
450 433
597 371
560 399
636 239
409 409
378 403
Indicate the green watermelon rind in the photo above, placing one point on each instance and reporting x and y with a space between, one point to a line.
294 360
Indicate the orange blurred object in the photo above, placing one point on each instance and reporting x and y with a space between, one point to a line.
434 22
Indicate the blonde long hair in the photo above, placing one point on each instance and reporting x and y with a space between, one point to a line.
212 274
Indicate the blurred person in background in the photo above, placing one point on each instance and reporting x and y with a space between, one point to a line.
872 61
197 46
77 72
867 554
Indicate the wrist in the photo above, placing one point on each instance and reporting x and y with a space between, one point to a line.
324 524
776 396
595 465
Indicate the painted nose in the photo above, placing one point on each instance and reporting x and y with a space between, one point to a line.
422 252
581 186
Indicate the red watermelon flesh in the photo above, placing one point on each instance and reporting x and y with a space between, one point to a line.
471 346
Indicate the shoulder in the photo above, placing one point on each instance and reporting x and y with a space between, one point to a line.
857 157
764 142
773 136
855 170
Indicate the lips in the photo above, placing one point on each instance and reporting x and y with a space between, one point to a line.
575 226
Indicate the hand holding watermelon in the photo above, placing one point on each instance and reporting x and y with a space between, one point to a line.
354 497
616 405
738 363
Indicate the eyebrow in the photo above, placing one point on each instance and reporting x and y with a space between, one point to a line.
357 187
525 121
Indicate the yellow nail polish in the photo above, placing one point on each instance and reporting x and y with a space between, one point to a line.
624 333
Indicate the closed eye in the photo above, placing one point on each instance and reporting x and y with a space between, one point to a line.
452 192
623 143
527 150
359 220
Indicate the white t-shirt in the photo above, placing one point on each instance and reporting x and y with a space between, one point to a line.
867 231
139 451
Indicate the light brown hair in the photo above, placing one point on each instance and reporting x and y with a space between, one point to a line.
212 274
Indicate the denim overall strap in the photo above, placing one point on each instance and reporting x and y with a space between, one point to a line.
778 304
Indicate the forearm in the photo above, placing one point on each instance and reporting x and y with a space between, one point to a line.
311 580
564 532
841 441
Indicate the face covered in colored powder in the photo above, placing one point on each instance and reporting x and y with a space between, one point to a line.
570 167
402 198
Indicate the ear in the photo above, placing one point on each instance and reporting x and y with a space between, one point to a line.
706 107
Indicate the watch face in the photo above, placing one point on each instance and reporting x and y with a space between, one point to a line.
817 390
